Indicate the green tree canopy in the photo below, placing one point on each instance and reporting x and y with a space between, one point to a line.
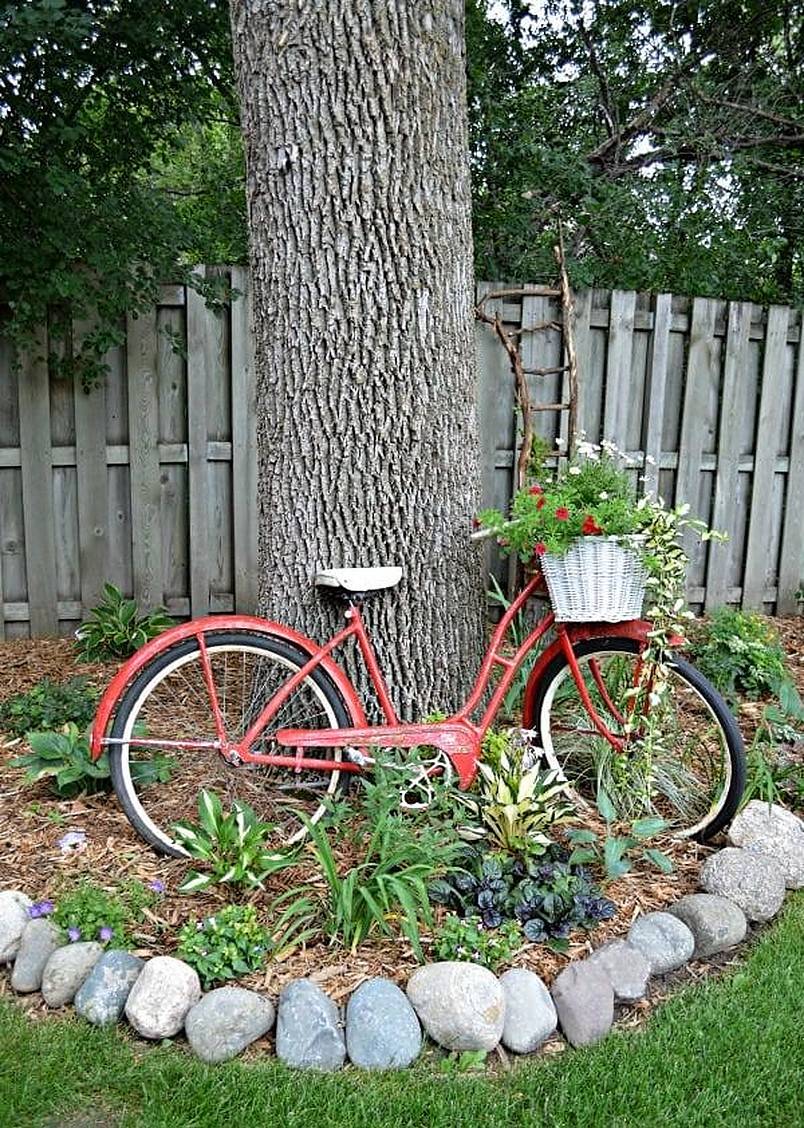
669 136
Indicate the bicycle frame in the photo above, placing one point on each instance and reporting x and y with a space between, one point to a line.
458 736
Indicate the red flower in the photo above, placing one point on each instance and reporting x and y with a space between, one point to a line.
475 523
536 489
590 527
539 549
503 542
562 513
540 503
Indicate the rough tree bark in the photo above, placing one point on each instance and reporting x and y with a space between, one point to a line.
354 118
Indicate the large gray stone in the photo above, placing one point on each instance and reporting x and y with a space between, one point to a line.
164 992
530 1014
769 829
460 1005
584 1000
225 1021
309 1034
13 918
753 881
715 922
625 966
102 996
67 969
664 941
39 941
382 1030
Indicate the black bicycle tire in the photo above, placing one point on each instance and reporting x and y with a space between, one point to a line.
688 672
213 638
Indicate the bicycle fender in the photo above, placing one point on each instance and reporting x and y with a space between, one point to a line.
578 632
107 706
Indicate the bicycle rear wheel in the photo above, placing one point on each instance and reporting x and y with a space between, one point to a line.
691 767
169 701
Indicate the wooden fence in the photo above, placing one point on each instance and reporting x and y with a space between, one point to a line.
150 480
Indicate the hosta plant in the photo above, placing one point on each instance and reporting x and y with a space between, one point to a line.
518 803
115 629
64 758
234 845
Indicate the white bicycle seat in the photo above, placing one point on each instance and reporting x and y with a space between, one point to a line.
359 579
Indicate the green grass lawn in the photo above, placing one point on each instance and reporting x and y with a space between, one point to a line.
727 1053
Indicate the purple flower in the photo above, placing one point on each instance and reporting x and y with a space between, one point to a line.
74 934
73 840
40 909
106 933
156 885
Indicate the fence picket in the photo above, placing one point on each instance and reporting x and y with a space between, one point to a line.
757 567
200 364
618 366
91 472
724 510
143 419
658 359
791 563
244 448
37 487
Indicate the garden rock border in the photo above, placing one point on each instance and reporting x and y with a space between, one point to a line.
462 1006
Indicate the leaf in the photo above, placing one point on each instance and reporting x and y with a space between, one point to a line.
648 827
660 860
605 806
210 811
195 881
580 835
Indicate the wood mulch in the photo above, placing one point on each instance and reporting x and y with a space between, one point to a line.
32 822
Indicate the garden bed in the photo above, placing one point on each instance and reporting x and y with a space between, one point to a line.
34 822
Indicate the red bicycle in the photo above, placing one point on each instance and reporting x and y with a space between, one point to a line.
254 710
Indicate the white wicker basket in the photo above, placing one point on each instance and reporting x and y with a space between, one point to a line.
599 579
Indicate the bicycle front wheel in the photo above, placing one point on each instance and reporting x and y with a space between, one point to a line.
169 701
684 761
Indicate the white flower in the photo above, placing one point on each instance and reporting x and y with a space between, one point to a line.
651 461
603 495
561 442
574 469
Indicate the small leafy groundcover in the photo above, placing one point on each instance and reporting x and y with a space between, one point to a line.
546 895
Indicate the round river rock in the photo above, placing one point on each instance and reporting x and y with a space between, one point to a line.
13 918
530 1014
776 832
584 1000
39 941
309 1034
460 1005
159 1001
627 969
227 1020
715 922
752 881
67 969
102 996
664 941
382 1030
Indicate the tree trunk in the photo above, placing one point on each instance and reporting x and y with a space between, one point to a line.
354 115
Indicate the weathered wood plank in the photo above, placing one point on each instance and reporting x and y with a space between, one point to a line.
791 561
93 486
33 391
618 366
758 567
658 359
724 509
244 448
201 352
588 392
696 427
143 414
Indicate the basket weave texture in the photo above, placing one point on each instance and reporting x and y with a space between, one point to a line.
597 580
